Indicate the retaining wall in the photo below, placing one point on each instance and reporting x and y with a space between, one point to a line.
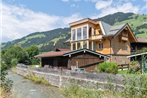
100 81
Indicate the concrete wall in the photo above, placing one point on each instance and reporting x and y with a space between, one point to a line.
89 80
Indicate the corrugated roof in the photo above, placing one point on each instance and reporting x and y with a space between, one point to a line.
111 30
114 29
106 27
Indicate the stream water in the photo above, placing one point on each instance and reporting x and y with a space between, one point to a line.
24 88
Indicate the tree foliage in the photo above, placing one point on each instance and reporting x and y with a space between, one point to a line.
6 84
32 51
15 53
108 67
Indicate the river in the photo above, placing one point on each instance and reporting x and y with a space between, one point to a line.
24 88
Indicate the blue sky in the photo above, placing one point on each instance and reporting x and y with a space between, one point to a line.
22 17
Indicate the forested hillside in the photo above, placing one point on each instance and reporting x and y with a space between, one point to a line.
49 40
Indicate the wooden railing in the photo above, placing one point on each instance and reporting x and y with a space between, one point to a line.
123 66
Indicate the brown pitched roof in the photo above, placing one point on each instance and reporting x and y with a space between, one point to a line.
52 54
62 49
143 40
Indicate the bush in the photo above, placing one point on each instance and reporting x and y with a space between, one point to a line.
108 67
14 62
134 67
6 84
144 49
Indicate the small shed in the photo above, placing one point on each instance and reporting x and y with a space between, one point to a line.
82 58
54 58
85 58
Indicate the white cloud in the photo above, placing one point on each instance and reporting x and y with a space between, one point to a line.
126 7
112 6
102 4
19 21
65 0
70 0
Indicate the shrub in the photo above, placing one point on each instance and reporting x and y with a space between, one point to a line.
108 67
6 84
14 62
144 49
134 67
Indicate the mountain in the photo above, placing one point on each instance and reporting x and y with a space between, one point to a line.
46 41
49 40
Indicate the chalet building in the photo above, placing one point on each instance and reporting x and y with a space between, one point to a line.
92 42
101 37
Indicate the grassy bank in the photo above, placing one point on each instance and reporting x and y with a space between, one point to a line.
135 86
4 93
75 91
37 79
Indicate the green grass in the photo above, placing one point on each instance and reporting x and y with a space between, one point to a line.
55 40
75 91
122 71
31 37
37 79
142 35
136 21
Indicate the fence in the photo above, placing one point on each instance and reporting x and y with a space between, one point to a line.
123 66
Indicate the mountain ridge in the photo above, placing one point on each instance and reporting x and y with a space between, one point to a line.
49 40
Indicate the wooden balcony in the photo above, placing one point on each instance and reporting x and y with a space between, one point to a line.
124 38
96 37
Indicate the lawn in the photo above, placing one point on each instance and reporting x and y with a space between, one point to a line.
122 71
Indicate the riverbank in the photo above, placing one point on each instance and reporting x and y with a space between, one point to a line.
24 88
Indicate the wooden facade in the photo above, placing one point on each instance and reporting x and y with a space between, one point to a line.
98 39
82 58
93 42
54 62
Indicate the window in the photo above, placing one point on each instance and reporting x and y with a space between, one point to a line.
78 46
90 45
73 34
90 32
79 33
74 46
84 32
94 45
100 45
84 44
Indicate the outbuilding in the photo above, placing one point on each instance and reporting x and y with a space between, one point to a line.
64 58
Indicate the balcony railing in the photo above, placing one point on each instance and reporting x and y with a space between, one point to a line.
95 37
136 51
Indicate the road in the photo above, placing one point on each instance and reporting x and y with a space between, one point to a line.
24 88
